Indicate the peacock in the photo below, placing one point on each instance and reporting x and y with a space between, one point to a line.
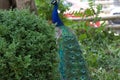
72 64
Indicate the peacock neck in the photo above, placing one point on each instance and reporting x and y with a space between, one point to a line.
55 17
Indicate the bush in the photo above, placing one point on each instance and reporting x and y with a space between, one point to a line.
101 47
27 47
101 50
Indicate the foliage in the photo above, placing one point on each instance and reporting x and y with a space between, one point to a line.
45 8
101 50
27 47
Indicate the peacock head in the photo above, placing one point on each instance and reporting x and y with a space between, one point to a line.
54 2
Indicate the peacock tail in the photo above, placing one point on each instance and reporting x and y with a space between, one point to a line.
72 64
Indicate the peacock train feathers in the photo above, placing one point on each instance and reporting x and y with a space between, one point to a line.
72 64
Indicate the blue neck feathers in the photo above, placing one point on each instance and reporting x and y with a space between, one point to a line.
55 17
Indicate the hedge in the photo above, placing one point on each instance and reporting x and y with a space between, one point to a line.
27 47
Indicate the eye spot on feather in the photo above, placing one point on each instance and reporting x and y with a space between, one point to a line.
83 77
72 57
69 46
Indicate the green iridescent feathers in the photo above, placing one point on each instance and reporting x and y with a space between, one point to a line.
72 63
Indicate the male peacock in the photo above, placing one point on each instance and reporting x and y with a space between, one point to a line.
72 64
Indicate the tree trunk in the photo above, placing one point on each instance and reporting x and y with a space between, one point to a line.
4 4
19 4
22 4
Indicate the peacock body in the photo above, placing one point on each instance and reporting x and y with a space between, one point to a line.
72 64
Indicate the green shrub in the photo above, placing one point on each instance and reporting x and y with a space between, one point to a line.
27 47
100 46
101 50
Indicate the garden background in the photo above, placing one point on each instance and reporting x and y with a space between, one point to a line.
28 49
